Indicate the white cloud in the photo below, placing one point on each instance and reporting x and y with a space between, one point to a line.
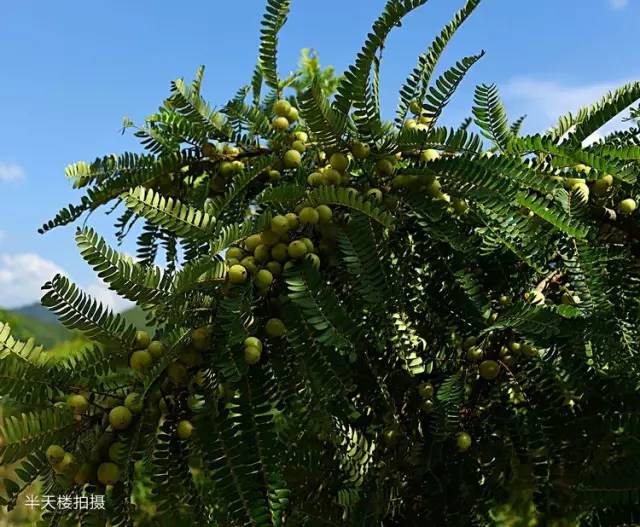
107 297
544 101
11 172
22 277
619 4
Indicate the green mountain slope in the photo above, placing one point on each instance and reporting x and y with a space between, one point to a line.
38 322
45 333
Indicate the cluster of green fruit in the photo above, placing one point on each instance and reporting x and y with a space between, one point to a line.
225 169
274 328
265 255
489 364
600 187
102 463
422 120
145 351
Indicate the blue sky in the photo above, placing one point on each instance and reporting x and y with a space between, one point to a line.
72 70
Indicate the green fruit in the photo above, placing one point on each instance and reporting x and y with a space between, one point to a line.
427 405
251 242
474 353
315 179
177 373
489 369
425 120
627 206
515 346
308 243
324 213
108 473
426 390
460 206
385 167
430 155
238 166
300 136
309 215
117 452
134 402
582 168
463 440
275 327
415 107
120 418
391 436
237 274
331 176
67 465
411 124
504 300
375 194
339 162
191 357
274 175
360 150
263 278
535 297
529 351
399 181
184 429
253 341
280 124
314 260
251 355
269 238
201 339
55 454
280 253
142 340
140 360
262 253
293 114
279 224
434 189
299 146
275 268
292 159
469 341
292 218
249 263
235 252
226 169
156 349
83 474
78 403
297 249
282 107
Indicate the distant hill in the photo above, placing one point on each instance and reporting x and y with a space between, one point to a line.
38 322
24 327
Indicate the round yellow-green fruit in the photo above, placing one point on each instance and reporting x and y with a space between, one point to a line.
275 327
463 441
78 403
627 206
280 124
309 215
177 373
184 430
251 355
324 213
263 278
339 162
279 253
489 369
360 150
142 340
282 107
55 454
134 402
292 159
156 349
140 360
385 167
297 249
108 473
237 274
120 418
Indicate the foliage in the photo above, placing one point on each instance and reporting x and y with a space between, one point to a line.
360 322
